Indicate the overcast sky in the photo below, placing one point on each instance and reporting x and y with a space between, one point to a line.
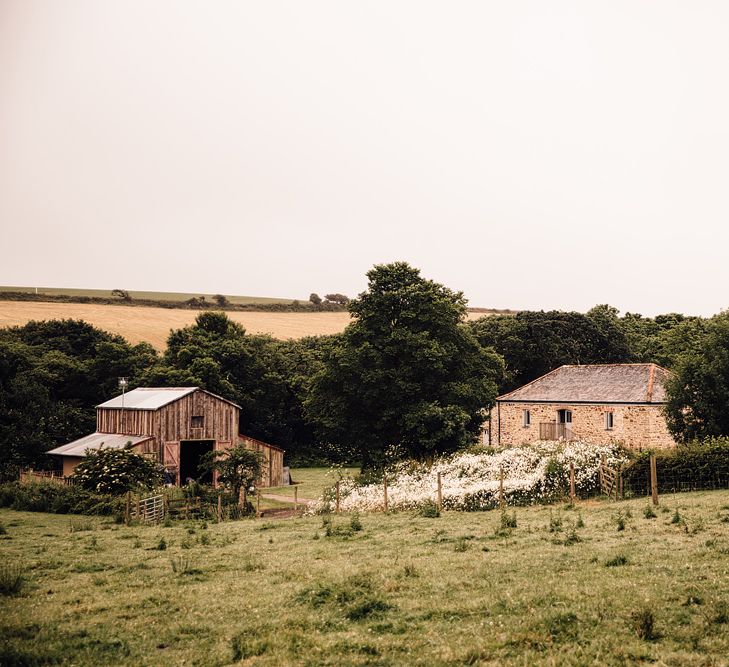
532 154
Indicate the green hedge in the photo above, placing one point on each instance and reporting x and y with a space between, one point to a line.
57 499
699 465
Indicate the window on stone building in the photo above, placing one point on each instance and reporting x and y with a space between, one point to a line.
609 421
526 418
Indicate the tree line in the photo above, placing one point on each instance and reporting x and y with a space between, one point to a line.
407 378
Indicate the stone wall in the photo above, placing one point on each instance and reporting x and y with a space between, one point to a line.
635 426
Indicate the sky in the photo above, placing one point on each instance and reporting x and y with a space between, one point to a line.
541 155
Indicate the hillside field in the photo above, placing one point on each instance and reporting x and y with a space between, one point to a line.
566 586
156 296
142 323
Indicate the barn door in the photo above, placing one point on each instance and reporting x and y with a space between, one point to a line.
172 460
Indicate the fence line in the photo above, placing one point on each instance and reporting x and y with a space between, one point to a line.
30 475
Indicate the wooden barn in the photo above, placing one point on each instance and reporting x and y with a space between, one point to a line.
176 426
273 467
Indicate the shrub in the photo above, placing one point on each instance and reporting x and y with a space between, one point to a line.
429 510
461 545
643 622
693 466
471 481
648 512
355 523
58 499
116 471
617 561
12 580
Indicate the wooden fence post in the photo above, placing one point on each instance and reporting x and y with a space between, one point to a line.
258 502
440 493
384 479
501 487
337 501
600 472
619 493
572 483
654 480
296 497
220 507
128 511
139 515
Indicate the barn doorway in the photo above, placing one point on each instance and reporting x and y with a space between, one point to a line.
191 453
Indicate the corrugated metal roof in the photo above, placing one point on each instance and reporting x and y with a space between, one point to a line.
97 441
596 383
148 398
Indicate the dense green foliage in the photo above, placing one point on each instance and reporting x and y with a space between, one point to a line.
535 342
264 376
52 374
407 378
697 465
237 468
698 392
116 471
58 499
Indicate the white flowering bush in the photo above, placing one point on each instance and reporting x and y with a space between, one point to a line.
532 474
116 471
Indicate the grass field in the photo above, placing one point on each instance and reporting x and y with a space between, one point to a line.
156 296
398 590
312 481
153 325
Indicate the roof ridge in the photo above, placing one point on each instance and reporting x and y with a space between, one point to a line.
651 380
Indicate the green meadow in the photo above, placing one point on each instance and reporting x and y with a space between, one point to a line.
600 583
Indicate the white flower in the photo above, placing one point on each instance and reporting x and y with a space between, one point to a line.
471 481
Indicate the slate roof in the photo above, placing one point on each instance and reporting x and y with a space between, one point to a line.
153 398
596 383
96 441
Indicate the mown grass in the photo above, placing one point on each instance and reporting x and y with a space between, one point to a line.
312 482
398 589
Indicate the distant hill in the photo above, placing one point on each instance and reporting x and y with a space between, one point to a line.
152 324
173 297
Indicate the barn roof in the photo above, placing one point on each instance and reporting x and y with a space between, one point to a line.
153 398
596 383
97 441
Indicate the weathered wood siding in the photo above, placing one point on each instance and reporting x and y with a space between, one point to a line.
272 472
173 422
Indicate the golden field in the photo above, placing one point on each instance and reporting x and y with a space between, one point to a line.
153 325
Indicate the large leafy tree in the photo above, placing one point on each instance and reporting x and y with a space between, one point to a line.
535 342
259 373
698 392
407 377
52 375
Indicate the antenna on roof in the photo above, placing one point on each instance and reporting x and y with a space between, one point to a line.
123 383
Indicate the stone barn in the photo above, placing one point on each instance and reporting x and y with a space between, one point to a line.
598 403
176 426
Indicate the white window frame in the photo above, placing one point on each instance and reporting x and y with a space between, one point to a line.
526 418
609 420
